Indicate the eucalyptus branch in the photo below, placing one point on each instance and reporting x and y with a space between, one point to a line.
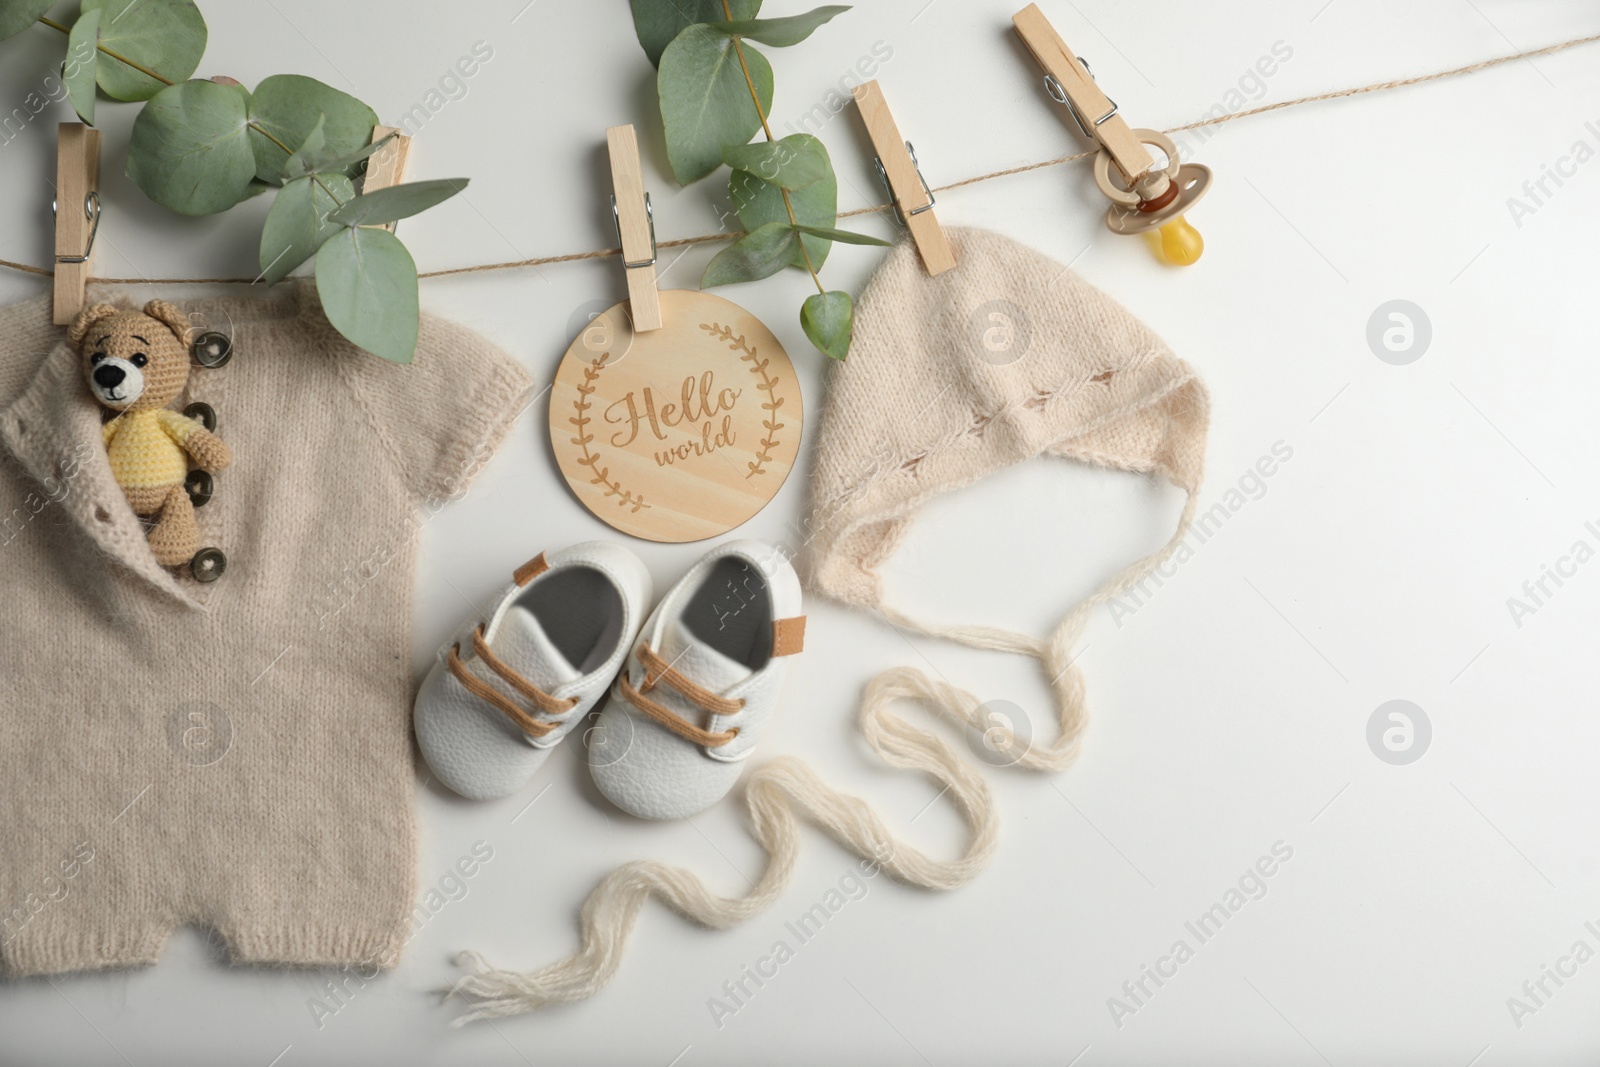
263 131
195 148
142 69
120 58
755 98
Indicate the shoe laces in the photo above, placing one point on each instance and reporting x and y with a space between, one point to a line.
657 671
486 692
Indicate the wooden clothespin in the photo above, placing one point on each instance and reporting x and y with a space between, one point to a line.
897 167
636 227
387 166
77 211
1147 197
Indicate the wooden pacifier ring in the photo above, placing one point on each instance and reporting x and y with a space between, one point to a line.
1130 197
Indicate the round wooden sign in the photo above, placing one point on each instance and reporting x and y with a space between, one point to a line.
681 433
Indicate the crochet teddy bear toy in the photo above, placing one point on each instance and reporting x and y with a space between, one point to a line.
136 364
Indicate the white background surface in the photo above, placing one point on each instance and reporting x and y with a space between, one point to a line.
1230 711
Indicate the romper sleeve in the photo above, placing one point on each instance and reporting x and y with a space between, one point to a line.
442 415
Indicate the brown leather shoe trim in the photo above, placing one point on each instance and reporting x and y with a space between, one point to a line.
531 570
789 636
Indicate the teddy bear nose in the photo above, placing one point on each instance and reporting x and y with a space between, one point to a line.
109 377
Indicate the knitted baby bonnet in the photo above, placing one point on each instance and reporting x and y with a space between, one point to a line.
951 378
1005 358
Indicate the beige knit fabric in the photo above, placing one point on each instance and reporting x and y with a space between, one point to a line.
232 755
1008 357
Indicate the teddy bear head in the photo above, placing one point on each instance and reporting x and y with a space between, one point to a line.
133 360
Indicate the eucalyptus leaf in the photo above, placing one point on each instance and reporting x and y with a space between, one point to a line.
298 224
304 162
782 32
167 36
705 100
233 83
657 22
190 149
78 72
794 162
758 254
310 147
396 202
759 203
18 15
848 237
828 320
285 108
368 285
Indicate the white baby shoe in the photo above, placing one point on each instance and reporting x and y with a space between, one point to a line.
701 684
504 693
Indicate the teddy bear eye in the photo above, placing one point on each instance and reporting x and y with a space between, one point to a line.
97 357
139 359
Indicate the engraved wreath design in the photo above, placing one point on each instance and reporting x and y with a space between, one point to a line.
769 385
590 458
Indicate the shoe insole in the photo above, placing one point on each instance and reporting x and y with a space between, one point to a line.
580 612
732 612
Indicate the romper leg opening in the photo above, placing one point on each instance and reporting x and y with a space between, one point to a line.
42 946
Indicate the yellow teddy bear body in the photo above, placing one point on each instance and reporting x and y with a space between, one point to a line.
146 447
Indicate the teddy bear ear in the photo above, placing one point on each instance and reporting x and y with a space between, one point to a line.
170 317
87 318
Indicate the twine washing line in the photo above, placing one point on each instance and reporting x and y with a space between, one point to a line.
679 242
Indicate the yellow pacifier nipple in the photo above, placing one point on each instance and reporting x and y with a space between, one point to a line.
1181 243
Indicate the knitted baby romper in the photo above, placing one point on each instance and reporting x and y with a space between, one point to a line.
234 754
